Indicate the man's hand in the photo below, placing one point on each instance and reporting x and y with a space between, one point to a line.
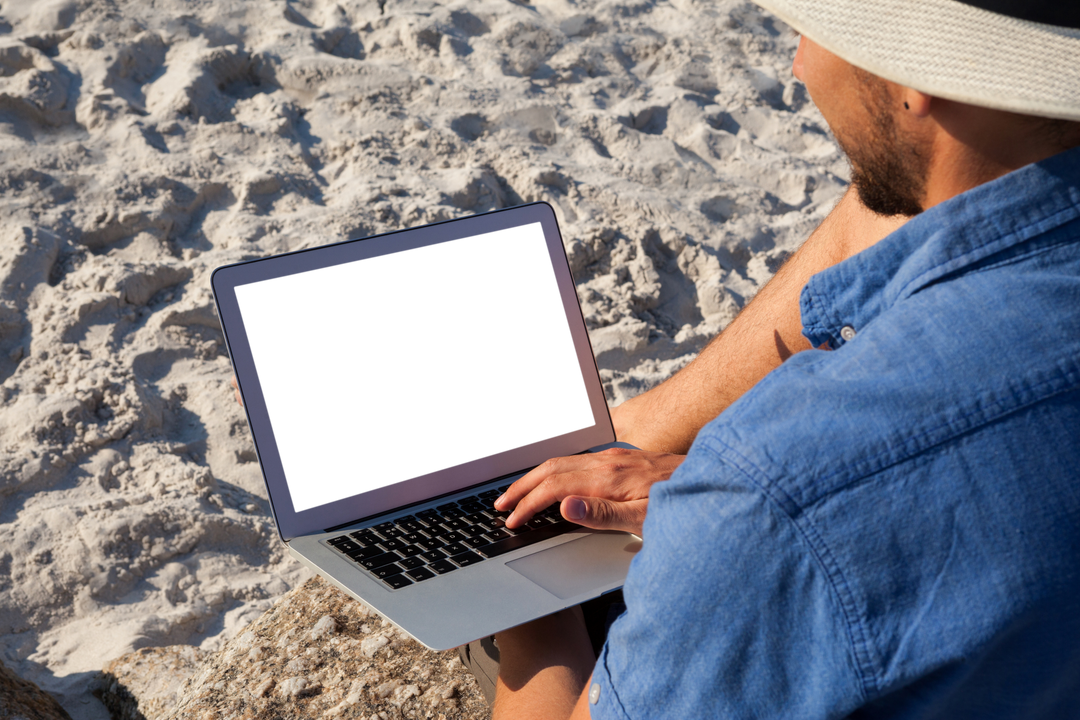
607 490
236 392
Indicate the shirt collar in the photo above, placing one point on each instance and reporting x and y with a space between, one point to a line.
945 239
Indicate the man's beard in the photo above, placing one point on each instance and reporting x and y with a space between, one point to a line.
887 170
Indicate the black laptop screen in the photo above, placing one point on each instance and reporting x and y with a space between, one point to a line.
377 371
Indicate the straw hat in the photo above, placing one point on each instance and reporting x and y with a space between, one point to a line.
1022 56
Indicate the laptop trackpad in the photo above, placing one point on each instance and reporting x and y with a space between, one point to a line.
575 567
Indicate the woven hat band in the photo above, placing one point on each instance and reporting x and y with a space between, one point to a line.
955 49
1063 13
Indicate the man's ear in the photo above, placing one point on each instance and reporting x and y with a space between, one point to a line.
915 102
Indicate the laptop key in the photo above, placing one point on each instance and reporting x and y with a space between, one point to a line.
392 532
420 574
397 582
454 548
446 506
519 541
411 563
497 534
411 550
442 566
474 531
338 540
467 500
431 543
392 544
432 555
365 553
503 489
364 538
451 536
379 560
474 542
490 494
346 545
465 559
387 570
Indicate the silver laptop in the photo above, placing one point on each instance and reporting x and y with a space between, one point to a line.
394 387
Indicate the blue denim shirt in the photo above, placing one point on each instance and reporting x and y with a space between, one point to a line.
891 528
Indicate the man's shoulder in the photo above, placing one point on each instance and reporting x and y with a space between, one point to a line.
956 328
929 461
954 359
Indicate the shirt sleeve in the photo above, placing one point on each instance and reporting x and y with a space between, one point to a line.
730 611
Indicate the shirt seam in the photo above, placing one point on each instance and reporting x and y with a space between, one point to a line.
1041 226
858 634
867 658
989 415
1034 252
611 685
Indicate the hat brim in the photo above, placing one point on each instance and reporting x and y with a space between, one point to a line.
949 49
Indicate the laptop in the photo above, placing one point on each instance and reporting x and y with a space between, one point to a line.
394 387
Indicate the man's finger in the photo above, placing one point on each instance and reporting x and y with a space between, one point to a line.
539 497
236 392
617 475
527 483
563 466
546 485
576 475
601 514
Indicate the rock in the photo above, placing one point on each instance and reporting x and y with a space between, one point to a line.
317 653
147 683
23 699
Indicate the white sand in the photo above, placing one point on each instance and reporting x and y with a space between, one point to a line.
144 143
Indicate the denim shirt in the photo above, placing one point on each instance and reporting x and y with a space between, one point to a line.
890 528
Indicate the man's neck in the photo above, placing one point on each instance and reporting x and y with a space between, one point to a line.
973 145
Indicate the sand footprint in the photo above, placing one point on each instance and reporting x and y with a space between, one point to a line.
32 86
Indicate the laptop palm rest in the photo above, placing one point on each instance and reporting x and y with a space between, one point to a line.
570 569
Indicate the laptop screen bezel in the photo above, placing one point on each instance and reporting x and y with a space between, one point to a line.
292 523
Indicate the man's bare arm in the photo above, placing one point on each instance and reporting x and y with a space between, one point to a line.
766 332
610 490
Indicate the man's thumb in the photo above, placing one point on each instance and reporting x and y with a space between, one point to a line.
601 514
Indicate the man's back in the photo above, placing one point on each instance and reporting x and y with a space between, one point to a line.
890 529
912 551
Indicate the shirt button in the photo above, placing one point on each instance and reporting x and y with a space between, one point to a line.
847 332
594 694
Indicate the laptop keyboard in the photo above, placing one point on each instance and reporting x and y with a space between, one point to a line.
440 540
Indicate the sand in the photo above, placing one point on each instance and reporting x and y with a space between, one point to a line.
144 143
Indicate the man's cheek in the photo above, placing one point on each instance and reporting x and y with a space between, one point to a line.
797 63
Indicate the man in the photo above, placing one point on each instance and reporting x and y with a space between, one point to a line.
887 525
